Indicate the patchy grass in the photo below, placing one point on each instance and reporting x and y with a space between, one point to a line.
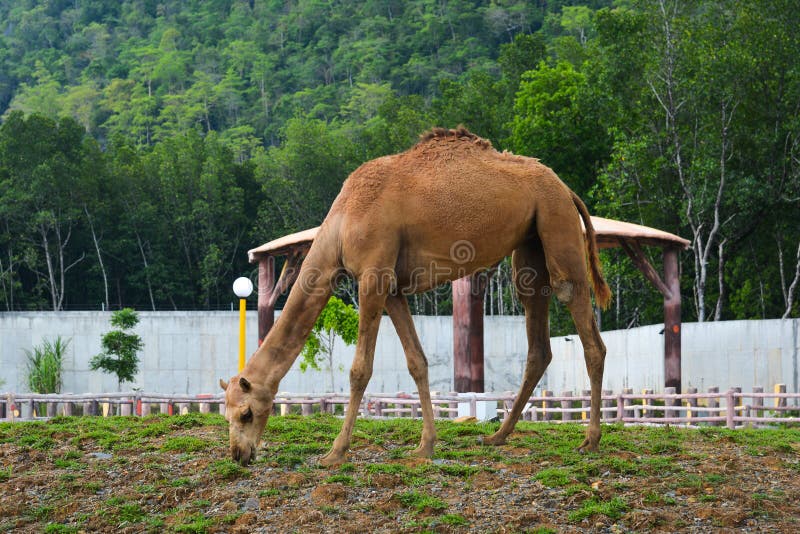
173 474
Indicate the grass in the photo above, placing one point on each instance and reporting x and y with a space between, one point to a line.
180 464
612 509
421 502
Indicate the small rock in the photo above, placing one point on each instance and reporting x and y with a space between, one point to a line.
252 504
101 455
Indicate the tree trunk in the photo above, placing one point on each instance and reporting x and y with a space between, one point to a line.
99 256
793 285
146 271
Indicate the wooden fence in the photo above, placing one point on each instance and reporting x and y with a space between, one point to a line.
731 408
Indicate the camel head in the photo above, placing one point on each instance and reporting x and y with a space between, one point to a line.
247 408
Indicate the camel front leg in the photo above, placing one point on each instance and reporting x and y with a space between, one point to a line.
397 307
371 300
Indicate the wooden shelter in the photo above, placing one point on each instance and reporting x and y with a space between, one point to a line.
468 293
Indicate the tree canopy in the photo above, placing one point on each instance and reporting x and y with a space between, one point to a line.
145 145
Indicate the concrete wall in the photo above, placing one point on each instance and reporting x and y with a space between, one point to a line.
187 352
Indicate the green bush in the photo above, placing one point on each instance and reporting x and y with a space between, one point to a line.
45 365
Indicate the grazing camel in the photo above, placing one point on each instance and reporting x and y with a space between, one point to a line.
446 208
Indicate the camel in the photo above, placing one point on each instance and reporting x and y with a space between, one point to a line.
446 208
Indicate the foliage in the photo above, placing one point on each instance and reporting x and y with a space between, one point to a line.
145 146
45 364
336 320
120 348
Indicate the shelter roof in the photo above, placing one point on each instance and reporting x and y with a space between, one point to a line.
609 233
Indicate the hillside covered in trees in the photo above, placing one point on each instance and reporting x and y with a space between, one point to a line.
145 145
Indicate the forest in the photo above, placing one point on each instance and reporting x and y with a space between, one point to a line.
145 145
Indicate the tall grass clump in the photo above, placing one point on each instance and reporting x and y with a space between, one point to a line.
45 363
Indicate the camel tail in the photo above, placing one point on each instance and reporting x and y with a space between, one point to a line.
602 293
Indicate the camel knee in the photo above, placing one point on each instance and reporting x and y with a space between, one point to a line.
539 357
359 377
418 368
564 290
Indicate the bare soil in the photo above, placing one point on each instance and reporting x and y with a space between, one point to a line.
172 474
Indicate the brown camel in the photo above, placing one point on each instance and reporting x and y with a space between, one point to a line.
446 208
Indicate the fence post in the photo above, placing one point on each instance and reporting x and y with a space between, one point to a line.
125 406
780 402
585 404
668 402
626 403
67 408
165 408
547 406
645 412
146 407
605 403
758 402
91 407
51 408
453 405
692 405
566 416
11 406
713 402
730 408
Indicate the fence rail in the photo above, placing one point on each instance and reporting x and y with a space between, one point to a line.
732 408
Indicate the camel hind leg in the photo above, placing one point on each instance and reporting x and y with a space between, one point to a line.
565 253
530 278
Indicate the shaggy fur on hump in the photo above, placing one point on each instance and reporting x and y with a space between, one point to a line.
454 134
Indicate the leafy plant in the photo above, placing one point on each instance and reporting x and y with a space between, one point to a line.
45 366
336 320
120 348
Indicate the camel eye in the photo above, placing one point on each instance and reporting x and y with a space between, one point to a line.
247 416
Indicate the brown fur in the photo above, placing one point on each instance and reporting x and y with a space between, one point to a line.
446 208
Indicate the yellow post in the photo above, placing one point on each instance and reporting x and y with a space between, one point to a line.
242 317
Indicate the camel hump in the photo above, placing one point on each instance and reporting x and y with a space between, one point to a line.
459 133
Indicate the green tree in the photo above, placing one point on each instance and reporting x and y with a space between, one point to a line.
336 320
120 348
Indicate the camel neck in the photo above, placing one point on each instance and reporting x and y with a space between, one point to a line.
288 335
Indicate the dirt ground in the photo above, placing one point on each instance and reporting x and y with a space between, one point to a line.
172 474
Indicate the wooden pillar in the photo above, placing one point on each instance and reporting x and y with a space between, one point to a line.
468 333
672 320
266 305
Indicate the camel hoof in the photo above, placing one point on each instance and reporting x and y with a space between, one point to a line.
422 452
331 459
494 439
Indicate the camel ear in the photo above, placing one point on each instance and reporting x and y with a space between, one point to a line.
223 385
244 384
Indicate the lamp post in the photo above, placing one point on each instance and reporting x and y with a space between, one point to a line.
242 286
